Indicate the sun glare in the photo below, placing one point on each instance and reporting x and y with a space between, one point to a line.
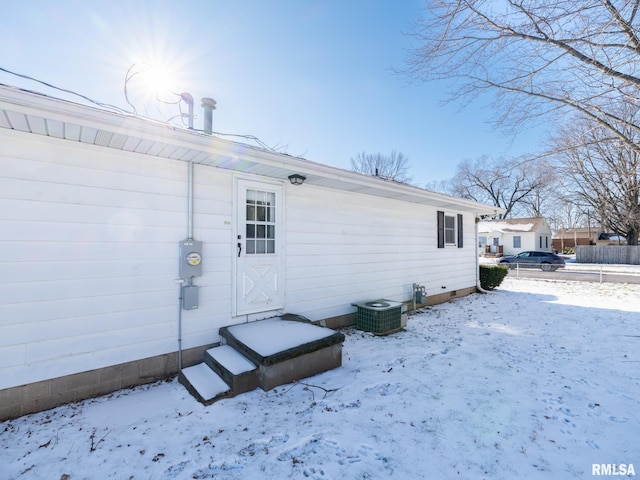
152 88
158 81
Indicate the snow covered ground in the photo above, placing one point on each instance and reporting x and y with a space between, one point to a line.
536 380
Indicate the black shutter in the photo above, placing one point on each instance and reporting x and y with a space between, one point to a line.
459 230
440 229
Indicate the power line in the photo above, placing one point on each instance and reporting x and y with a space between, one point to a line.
100 104
128 77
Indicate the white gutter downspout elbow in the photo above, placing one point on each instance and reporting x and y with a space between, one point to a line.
478 286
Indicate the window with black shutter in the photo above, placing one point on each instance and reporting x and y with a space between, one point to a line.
450 231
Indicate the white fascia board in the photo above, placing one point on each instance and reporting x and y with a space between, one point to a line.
30 103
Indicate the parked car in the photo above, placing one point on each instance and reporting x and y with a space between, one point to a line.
547 261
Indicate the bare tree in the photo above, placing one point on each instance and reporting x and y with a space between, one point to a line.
568 215
606 172
537 202
537 57
545 196
390 167
505 183
442 186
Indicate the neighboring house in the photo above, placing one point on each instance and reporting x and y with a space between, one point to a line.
570 237
609 239
96 206
514 235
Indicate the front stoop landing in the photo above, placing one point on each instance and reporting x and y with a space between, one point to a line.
264 354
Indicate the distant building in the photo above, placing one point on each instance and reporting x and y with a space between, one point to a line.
514 235
611 239
567 238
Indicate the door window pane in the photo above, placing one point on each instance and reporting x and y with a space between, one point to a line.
251 212
260 222
261 214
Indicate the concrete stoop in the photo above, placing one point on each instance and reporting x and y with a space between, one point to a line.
264 354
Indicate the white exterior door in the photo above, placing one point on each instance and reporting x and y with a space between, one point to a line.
259 285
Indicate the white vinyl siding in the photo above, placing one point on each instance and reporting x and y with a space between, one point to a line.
377 248
89 255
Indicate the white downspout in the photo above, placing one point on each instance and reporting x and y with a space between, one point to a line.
478 286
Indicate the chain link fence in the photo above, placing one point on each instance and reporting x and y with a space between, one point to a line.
582 272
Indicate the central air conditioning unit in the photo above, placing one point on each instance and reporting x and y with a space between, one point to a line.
381 317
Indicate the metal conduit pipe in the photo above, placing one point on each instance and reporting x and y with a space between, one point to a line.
180 327
190 237
190 201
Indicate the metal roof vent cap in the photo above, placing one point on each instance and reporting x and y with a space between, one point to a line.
209 105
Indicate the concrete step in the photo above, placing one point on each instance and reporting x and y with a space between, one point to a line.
266 353
285 350
204 384
234 368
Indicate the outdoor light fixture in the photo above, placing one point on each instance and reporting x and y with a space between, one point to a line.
297 179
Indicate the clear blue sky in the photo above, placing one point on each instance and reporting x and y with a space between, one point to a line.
312 76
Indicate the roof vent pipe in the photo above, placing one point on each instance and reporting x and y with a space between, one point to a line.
188 99
209 105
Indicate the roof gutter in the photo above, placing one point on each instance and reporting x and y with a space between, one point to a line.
188 145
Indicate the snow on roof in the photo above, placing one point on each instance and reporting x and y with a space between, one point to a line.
499 226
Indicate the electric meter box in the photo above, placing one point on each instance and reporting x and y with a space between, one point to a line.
190 259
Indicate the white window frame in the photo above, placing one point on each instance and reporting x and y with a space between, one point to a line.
519 242
450 235
452 231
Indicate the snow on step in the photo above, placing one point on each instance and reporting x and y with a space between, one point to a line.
233 361
268 337
207 383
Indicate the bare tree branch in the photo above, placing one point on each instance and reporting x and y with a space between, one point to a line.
505 183
537 57
605 173
394 166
